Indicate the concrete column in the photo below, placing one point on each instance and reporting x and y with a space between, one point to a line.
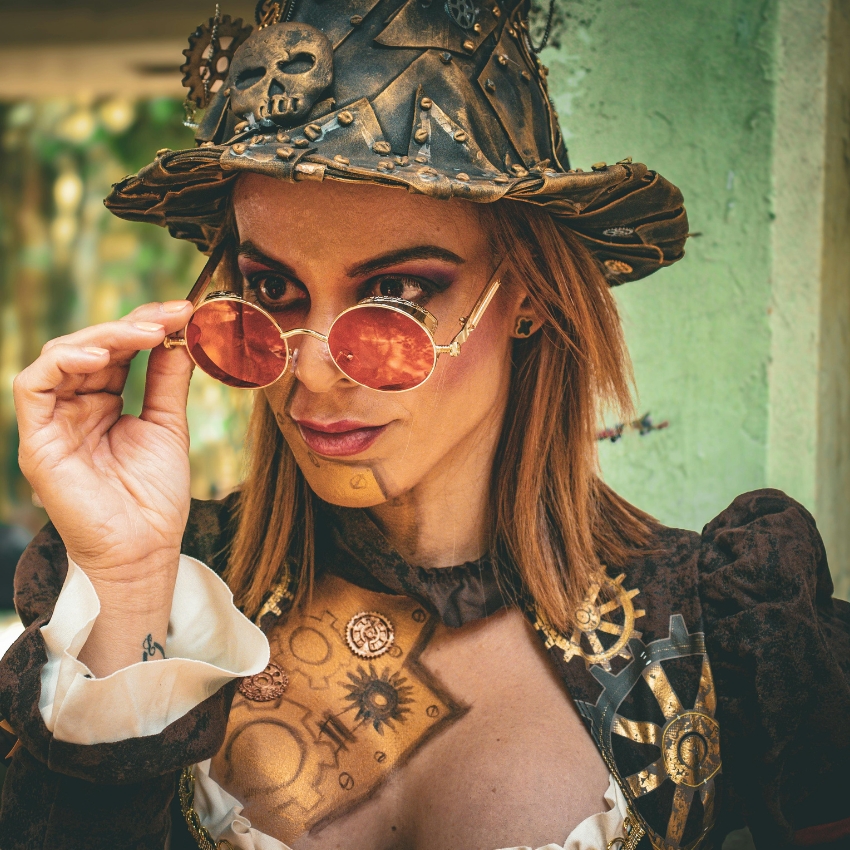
809 369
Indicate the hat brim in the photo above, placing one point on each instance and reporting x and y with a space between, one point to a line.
631 219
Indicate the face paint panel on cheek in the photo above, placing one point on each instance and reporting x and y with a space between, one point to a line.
345 484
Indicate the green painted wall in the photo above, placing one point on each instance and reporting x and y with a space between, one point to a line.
740 345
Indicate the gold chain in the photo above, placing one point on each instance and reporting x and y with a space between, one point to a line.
201 835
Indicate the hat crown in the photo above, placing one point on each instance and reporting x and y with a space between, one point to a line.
471 61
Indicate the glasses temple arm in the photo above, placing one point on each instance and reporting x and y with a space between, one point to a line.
197 290
478 309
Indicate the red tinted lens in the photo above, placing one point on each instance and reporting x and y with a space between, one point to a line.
236 344
382 348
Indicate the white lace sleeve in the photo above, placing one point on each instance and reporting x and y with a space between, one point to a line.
209 643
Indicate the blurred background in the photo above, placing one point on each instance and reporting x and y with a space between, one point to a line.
743 349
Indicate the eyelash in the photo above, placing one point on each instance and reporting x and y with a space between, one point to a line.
371 288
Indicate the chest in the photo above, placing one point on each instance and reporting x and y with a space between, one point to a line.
393 731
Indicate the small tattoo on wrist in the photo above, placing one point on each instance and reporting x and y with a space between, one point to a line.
150 648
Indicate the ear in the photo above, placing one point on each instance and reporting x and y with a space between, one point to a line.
524 321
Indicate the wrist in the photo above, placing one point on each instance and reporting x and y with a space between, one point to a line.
136 590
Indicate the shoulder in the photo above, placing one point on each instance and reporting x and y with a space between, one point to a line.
210 529
764 549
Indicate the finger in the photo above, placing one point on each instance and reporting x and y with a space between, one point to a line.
35 389
123 338
167 389
161 311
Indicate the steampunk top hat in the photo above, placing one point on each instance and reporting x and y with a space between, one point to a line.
443 97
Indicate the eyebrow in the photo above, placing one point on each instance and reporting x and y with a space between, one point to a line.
403 255
252 252
382 261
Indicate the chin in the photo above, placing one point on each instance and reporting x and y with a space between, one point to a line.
346 485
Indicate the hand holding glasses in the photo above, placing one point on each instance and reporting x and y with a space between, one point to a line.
381 343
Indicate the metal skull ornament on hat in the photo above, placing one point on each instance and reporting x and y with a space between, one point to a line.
279 73
446 99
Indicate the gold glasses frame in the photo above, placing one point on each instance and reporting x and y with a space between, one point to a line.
399 305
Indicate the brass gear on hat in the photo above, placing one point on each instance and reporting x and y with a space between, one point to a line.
204 74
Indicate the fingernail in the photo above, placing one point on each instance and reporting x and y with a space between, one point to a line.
173 306
148 326
97 351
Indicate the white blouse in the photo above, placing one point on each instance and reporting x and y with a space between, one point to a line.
210 642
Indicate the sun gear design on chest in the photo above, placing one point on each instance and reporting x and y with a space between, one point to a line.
369 716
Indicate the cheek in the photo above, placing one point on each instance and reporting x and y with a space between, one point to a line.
484 360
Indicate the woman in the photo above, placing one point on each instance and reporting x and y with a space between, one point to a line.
448 597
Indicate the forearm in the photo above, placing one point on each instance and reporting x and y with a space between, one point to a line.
133 622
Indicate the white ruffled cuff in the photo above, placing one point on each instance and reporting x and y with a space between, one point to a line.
209 643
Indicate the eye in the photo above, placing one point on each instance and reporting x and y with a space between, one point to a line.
274 292
403 286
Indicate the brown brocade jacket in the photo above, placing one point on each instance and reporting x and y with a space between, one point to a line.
719 695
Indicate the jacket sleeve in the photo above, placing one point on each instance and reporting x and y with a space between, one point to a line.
65 795
780 650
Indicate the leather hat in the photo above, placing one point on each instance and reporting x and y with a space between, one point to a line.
445 98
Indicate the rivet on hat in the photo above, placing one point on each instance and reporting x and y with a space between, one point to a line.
599 166
258 140
476 27
356 20
462 175
490 85
386 164
526 76
421 159
502 59
312 132
469 45
301 143
343 159
282 137
284 153
445 57
420 136
240 126
519 170
239 148
460 136
624 161
497 12
500 178
345 118
402 160
207 144
381 147
426 103
163 151
618 267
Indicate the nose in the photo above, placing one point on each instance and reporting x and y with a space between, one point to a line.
313 366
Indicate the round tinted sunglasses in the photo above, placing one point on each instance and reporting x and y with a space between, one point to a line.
382 343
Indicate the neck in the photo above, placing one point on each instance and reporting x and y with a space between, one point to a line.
444 521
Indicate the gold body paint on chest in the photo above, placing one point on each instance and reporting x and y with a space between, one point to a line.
343 724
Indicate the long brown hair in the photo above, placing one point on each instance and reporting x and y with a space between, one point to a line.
552 517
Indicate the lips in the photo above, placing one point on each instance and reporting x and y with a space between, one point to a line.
339 439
